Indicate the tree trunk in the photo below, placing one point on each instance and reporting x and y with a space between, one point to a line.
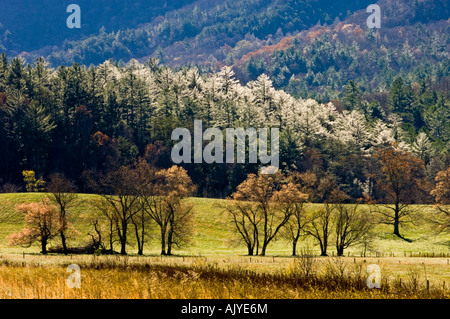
250 250
139 241
396 229
44 246
263 250
122 247
123 240
63 222
111 232
141 249
294 247
169 242
323 249
63 241
396 221
340 251
396 217
163 241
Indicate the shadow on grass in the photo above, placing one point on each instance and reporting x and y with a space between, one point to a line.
405 239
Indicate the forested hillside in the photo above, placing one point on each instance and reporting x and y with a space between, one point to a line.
84 122
40 26
413 42
200 32
339 91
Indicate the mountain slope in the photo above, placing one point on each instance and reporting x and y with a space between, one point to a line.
199 32
413 42
29 25
311 48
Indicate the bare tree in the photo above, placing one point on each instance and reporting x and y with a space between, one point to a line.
62 193
121 192
402 183
104 226
320 226
351 225
246 219
263 216
163 200
291 200
441 194
140 222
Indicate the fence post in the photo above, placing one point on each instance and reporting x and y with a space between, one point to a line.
428 285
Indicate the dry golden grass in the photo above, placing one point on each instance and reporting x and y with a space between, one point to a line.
179 278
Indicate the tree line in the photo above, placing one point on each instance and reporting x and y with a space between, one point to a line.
86 121
131 198
136 199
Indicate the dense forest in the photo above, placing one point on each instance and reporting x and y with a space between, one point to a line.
84 102
42 26
86 121
186 32
413 42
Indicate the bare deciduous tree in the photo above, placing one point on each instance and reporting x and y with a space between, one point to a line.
62 193
351 225
257 216
121 192
163 200
104 224
402 182
291 200
246 219
320 226
441 194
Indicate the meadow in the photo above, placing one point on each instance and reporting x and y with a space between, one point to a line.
215 266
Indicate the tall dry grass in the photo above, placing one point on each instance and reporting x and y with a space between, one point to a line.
305 277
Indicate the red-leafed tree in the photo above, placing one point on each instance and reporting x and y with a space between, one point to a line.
42 223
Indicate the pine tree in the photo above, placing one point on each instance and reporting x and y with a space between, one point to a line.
35 137
3 71
422 147
352 96
264 98
397 100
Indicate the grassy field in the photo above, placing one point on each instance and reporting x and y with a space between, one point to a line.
215 235
135 277
215 267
